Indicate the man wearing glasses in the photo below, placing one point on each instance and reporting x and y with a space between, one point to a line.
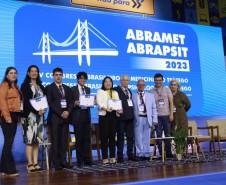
164 104
145 115
125 122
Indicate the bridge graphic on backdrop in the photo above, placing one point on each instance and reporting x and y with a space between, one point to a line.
80 36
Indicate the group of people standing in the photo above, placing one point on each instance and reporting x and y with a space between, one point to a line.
161 109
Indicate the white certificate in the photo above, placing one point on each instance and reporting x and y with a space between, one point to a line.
87 100
114 104
39 103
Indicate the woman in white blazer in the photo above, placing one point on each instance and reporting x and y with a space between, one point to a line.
107 119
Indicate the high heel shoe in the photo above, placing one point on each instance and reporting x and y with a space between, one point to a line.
37 168
30 168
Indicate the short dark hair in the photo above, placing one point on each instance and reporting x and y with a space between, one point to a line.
158 75
57 69
82 74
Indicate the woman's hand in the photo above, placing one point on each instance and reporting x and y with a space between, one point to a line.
77 103
41 112
120 111
9 121
104 109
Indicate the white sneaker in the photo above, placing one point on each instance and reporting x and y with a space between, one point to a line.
105 161
112 160
11 174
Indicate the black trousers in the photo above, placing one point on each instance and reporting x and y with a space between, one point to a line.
82 129
163 125
125 127
7 164
59 139
107 134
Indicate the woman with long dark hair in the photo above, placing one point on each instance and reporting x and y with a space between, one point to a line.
107 119
33 120
10 107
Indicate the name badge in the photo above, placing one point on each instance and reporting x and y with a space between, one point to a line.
130 103
161 102
141 108
63 103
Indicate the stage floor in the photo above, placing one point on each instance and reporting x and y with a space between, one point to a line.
66 177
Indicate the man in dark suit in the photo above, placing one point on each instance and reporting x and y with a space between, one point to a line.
81 120
60 102
125 122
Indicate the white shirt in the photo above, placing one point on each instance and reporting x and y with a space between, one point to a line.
124 90
102 101
140 103
80 89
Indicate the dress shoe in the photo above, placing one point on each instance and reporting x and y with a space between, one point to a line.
89 163
120 160
169 156
146 158
138 158
80 164
131 158
58 168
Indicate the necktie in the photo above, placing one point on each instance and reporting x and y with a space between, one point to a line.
126 92
83 91
61 91
142 101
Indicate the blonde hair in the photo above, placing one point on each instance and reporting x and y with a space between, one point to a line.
175 81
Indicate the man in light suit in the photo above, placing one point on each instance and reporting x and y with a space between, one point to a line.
145 114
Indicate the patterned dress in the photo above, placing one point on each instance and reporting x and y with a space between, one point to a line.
33 127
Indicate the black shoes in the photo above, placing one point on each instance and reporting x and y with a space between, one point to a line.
88 163
141 158
58 168
120 160
83 164
131 158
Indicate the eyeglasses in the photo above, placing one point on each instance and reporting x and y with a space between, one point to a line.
141 84
173 84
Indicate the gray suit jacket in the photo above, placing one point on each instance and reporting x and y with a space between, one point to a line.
150 107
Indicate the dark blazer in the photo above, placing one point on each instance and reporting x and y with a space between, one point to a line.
128 112
75 116
27 95
54 99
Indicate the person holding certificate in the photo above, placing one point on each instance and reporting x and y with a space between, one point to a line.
109 107
145 116
61 103
81 119
32 123
125 122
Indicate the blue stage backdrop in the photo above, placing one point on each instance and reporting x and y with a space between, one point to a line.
102 43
